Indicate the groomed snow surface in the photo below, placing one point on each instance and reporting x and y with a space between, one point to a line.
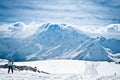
65 70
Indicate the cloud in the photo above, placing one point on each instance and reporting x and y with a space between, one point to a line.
22 30
109 31
78 12
18 29
110 3
113 28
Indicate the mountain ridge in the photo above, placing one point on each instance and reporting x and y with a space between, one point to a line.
54 41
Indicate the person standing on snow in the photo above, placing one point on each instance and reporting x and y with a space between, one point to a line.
10 66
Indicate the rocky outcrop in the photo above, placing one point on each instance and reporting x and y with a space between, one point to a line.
27 68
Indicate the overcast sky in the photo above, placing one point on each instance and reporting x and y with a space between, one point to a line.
76 12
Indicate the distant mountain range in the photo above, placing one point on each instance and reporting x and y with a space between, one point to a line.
54 41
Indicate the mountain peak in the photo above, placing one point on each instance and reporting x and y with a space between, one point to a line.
115 28
50 26
101 39
53 27
16 26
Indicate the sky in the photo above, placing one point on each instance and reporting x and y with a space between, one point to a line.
76 12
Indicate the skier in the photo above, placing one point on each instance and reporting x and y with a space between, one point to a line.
10 66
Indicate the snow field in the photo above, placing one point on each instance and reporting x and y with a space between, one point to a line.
65 70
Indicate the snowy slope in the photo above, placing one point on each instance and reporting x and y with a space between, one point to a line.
3 61
66 70
72 66
53 41
112 44
109 31
17 30
45 41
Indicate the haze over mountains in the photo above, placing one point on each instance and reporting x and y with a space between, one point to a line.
55 41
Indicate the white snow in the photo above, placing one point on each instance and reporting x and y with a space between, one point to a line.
116 54
3 61
109 31
34 54
22 31
65 70
50 51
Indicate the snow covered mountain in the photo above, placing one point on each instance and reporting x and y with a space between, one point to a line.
54 41
108 31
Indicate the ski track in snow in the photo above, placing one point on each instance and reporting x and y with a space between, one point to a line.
27 75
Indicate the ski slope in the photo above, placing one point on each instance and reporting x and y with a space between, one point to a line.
65 70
